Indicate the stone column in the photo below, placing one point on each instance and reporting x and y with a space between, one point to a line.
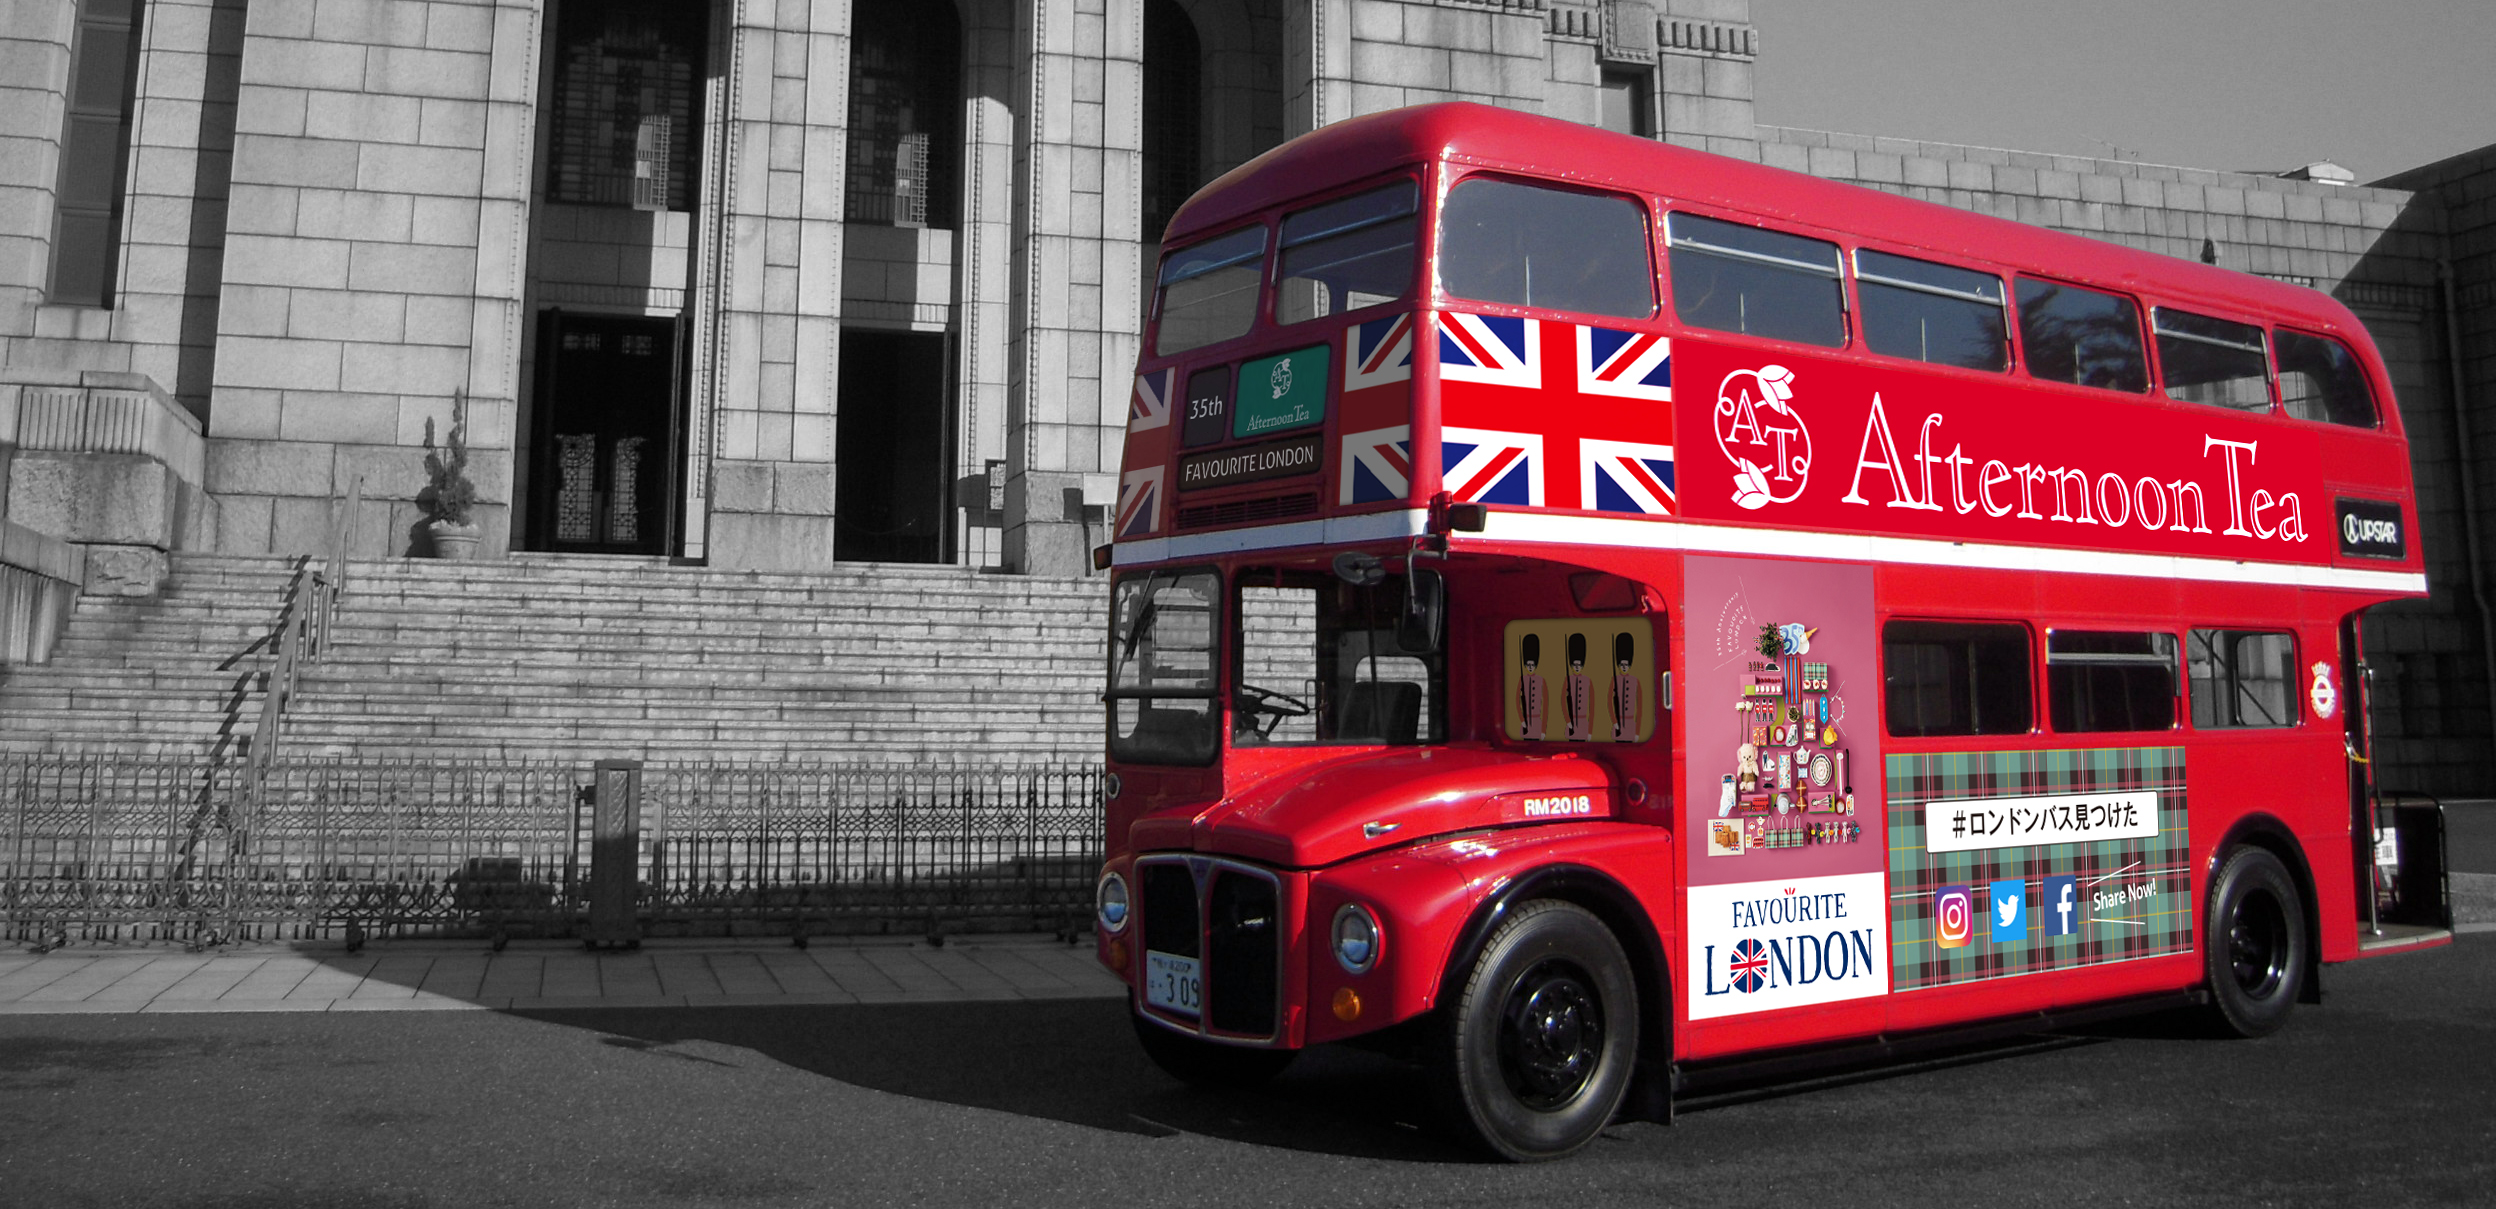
1077 254
768 287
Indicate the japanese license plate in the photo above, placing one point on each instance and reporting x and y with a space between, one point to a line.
1173 983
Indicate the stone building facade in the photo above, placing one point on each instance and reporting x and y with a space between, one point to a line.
774 284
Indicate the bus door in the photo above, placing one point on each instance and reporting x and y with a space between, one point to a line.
2397 838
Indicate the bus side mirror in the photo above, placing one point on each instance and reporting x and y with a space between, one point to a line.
1418 631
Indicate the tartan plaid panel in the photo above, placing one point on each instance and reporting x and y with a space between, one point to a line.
2135 895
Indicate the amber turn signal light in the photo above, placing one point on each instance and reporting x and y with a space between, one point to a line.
1347 1004
1118 956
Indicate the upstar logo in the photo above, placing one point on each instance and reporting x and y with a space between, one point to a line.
1760 432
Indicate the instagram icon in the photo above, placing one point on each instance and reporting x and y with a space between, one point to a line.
1951 911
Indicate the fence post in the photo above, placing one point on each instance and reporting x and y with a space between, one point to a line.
614 854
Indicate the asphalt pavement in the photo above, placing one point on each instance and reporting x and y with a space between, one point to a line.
2377 1097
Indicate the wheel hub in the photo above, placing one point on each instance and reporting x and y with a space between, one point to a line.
1551 1035
2257 944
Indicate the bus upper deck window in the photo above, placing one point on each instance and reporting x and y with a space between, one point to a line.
1347 254
2214 361
1931 312
1734 278
1209 291
2319 379
2068 334
1503 241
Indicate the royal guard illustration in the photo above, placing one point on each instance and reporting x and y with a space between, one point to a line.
1530 688
1624 689
1581 692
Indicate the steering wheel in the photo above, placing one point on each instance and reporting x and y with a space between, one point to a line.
1267 708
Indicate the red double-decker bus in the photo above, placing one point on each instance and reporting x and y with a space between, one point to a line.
1607 618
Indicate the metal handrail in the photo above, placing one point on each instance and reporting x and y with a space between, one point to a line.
303 634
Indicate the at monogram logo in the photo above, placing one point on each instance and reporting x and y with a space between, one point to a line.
1763 436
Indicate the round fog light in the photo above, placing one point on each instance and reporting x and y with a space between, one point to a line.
1356 938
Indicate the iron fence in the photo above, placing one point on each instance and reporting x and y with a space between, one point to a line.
202 852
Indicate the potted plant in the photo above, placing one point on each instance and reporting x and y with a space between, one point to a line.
449 498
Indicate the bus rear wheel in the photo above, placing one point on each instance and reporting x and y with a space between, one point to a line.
1205 1063
2254 944
1534 1056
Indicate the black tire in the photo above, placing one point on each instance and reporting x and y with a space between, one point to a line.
2254 944
1209 1063
1534 1056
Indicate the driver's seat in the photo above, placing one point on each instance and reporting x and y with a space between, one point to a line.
1387 711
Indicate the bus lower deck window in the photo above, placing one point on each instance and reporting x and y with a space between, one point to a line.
1506 241
1733 278
1956 678
2109 681
1931 312
2214 361
2068 334
2319 379
2241 678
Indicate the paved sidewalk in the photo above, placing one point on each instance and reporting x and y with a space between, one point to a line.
443 976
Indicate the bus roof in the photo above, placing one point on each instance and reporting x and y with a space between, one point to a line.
1486 136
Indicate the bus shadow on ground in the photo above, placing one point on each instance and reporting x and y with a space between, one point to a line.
1073 1060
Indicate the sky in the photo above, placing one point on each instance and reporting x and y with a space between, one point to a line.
2376 86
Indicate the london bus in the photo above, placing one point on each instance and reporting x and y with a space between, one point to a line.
1601 618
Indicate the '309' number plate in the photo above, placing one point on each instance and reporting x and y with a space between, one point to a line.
1173 983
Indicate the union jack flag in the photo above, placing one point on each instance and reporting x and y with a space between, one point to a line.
1602 415
1626 365
1377 352
1748 969
1377 465
1150 407
1625 476
1139 502
1497 349
1480 464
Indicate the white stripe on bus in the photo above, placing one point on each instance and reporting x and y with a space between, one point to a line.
1791 543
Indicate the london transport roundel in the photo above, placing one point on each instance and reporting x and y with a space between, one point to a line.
2324 695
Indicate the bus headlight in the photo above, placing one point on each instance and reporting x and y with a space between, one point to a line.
1110 902
1356 938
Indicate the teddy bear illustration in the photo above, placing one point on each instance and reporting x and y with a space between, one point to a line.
1746 768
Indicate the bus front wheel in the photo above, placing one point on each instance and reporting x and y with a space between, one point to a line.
2254 943
1534 1056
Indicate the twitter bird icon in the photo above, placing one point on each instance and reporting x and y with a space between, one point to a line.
2010 910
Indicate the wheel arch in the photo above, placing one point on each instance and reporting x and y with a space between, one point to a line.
1612 904
2267 832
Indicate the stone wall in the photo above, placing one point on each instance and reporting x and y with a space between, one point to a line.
373 262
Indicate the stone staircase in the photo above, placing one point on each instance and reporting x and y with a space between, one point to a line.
578 658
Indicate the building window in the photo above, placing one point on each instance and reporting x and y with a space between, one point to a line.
1628 104
1171 55
904 111
95 147
625 79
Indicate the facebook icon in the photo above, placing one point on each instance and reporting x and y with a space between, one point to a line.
2059 910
